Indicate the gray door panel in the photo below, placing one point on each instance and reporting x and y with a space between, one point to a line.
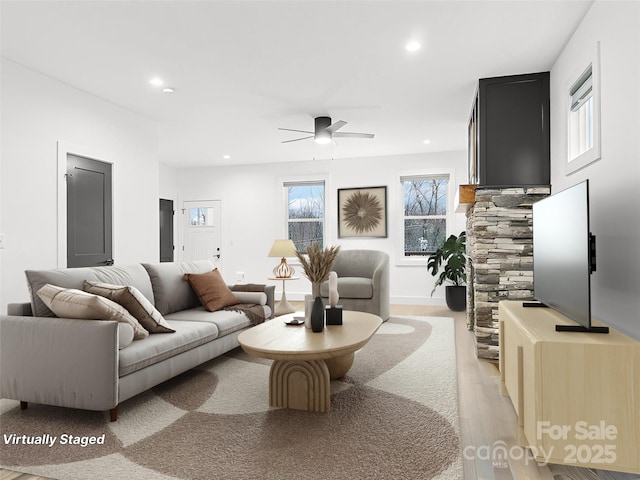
166 230
89 212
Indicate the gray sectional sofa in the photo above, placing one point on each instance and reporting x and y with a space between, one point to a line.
81 363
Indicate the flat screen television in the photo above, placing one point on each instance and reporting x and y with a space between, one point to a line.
564 256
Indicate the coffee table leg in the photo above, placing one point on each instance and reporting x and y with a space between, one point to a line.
338 366
300 385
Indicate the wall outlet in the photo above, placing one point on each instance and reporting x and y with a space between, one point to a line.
1 240
239 276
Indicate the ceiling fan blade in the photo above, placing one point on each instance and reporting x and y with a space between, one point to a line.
296 139
292 130
335 126
353 135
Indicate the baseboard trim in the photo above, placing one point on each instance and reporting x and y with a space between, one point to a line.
395 300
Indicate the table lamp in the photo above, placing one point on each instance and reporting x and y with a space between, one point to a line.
283 248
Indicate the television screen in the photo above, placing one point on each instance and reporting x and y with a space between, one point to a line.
562 253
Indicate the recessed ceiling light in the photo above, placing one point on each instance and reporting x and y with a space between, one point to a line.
412 46
156 82
168 90
226 157
426 142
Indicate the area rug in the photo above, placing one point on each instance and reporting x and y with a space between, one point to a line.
393 416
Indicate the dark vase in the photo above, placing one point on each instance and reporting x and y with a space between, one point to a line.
317 315
456 297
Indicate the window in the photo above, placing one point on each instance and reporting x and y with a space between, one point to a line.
201 217
425 213
581 116
583 113
305 213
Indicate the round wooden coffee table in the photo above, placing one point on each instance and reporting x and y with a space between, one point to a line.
304 361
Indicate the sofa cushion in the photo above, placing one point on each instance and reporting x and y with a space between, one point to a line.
171 292
72 303
227 321
211 290
156 348
125 335
134 302
134 275
350 287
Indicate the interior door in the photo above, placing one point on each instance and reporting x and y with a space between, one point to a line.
166 230
89 212
202 230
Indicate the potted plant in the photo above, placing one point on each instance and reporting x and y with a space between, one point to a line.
452 255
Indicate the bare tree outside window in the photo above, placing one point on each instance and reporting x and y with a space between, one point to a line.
201 217
305 214
425 214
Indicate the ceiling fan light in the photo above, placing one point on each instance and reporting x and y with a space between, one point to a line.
413 46
322 138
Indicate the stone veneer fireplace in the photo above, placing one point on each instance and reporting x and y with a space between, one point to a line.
500 257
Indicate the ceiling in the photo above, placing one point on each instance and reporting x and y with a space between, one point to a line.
241 69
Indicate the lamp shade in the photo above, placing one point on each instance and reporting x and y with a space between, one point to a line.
283 248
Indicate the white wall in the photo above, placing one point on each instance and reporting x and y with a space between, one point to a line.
254 216
614 179
37 112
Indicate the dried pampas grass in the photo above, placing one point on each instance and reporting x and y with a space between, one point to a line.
317 264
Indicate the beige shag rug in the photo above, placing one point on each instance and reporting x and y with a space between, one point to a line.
393 416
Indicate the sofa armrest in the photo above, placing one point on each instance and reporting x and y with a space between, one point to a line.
381 288
269 290
59 361
20 309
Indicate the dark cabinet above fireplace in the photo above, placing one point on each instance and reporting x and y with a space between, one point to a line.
509 131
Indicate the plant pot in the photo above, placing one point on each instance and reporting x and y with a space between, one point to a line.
456 297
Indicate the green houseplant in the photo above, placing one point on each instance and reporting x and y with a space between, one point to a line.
452 257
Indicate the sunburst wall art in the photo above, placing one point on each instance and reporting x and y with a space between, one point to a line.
362 212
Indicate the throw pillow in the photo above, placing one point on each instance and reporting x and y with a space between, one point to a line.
72 303
134 301
211 290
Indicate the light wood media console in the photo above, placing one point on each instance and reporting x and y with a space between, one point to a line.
577 395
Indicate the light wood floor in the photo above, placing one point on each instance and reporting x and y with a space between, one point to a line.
487 419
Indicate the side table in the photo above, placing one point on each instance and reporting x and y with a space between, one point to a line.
284 306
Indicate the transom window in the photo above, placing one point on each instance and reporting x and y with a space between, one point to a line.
425 213
305 213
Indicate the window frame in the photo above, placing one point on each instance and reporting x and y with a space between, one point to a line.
421 260
285 183
575 163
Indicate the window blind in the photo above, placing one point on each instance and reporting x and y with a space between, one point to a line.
582 90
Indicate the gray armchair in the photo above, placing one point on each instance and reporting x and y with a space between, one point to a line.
363 281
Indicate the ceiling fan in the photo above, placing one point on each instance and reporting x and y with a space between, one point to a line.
325 131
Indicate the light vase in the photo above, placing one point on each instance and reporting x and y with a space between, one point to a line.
308 306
